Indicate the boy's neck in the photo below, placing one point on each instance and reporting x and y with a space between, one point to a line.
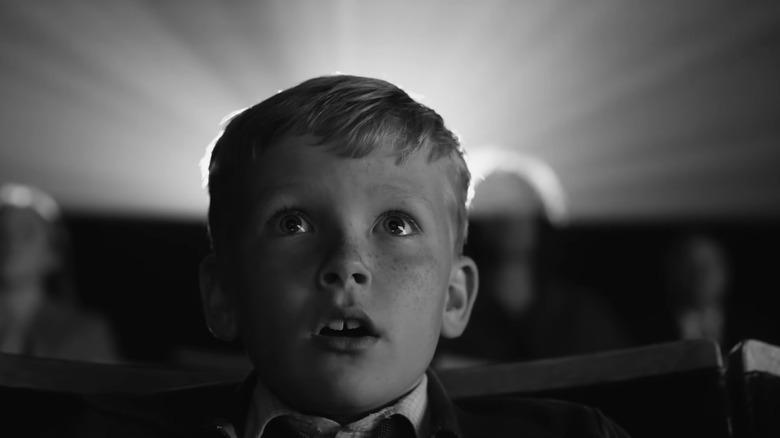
266 406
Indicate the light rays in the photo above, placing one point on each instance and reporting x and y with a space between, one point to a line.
645 110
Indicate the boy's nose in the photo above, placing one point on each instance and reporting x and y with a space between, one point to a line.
333 278
344 268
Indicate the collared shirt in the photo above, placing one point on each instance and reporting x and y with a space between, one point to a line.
264 407
213 410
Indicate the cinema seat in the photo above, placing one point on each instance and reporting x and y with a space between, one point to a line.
667 390
36 393
754 382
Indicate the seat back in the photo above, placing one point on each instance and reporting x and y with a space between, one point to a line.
670 390
50 390
62 376
754 382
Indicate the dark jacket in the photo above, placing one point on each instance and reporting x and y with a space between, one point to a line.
201 411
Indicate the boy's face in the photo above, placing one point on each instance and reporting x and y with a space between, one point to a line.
344 276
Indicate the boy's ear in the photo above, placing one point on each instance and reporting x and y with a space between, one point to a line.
461 294
218 305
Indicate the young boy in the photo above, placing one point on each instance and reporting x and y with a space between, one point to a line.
338 219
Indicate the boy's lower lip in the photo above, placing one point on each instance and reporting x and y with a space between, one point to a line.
345 344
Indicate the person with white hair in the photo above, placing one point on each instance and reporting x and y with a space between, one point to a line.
38 311
527 310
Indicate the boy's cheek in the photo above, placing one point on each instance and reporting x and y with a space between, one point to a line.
416 278
277 255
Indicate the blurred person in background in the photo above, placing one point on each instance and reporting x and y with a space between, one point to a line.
38 311
698 277
525 311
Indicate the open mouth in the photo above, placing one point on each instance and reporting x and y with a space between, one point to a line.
347 327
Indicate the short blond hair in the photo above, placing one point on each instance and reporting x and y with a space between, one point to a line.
354 115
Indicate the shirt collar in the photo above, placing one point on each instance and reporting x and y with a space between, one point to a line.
264 407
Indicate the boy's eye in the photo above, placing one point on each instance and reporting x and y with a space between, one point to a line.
292 223
399 225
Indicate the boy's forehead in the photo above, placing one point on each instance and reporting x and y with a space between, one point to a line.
295 161
295 165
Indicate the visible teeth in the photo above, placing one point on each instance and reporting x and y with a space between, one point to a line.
352 324
336 324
